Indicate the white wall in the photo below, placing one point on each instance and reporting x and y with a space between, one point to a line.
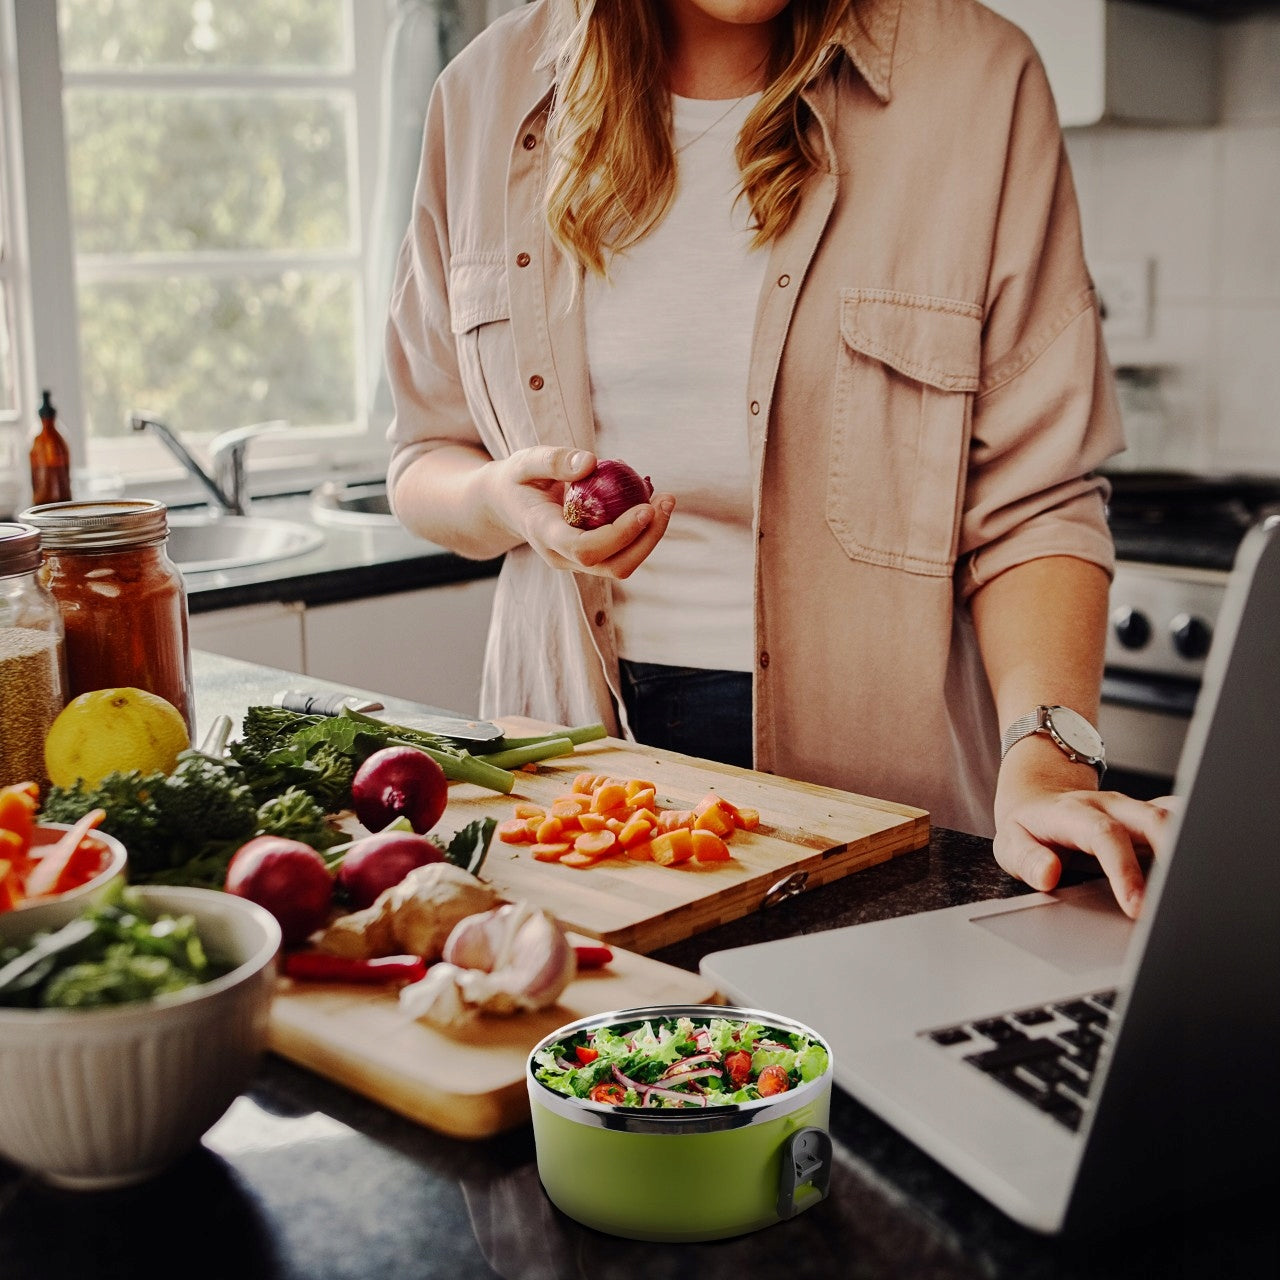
1203 205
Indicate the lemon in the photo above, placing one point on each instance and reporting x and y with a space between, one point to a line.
105 730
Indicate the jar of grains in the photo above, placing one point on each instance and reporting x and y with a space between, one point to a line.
123 602
32 666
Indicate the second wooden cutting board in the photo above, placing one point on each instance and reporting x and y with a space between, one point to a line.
808 836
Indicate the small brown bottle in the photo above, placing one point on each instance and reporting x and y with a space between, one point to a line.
50 459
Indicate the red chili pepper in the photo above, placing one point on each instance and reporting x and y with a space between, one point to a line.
593 957
319 966
586 1055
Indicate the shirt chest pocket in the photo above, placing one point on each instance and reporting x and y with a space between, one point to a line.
905 380
480 318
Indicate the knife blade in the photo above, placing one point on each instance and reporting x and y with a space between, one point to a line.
479 733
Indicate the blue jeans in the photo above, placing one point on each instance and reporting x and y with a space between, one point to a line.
693 710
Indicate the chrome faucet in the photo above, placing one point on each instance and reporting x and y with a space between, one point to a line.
226 487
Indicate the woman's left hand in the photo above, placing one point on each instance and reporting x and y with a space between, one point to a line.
1038 822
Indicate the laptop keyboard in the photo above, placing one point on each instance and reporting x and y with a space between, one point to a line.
1047 1054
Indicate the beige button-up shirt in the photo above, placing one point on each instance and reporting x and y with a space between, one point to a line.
928 395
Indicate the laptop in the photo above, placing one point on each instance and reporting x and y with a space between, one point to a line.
1069 1064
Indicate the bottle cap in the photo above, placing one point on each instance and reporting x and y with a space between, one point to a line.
100 526
19 549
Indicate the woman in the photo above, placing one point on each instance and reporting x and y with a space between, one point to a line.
815 266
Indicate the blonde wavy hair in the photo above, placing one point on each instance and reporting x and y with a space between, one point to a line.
612 170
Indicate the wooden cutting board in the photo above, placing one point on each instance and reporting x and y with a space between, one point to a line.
808 836
468 1083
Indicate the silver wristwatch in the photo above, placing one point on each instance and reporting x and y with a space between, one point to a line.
1073 734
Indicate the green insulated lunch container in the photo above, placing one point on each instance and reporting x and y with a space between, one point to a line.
683 1174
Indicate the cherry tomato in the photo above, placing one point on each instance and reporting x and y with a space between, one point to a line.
608 1092
738 1065
772 1079
586 1055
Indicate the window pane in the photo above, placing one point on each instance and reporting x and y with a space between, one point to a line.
210 353
161 173
203 33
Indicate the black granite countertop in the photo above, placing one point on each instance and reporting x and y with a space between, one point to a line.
304 1180
351 563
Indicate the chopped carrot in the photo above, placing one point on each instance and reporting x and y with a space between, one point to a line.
514 831
610 796
550 852
69 862
714 818
670 819
569 806
673 846
549 829
748 819
646 798
596 844
636 828
592 821
641 851
579 860
526 810
10 885
637 785
708 847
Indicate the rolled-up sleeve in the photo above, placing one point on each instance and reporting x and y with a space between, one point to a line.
421 352
1045 415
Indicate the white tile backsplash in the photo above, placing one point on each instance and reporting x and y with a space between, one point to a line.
1204 206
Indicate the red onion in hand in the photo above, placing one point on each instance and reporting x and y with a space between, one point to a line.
601 497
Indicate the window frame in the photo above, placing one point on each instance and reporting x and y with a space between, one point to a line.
146 466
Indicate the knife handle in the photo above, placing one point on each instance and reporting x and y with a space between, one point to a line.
323 704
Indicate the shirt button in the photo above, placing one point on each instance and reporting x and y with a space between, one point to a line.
755 406
529 142
522 259
764 657
599 617
783 281
536 382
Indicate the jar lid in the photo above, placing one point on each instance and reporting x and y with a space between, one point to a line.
19 549
99 526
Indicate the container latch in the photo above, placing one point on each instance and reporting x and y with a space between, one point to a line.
805 1176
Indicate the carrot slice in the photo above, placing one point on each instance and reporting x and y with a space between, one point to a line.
514 831
635 829
709 847
569 806
579 860
549 830
641 851
671 819
592 821
748 819
526 810
645 798
610 796
550 852
64 860
672 847
596 844
714 818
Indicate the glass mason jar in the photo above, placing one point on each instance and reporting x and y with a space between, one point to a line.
123 601
32 657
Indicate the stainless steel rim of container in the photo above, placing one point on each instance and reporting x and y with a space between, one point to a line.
705 1120
100 526
19 548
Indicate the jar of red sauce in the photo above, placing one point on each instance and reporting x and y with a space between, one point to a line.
122 600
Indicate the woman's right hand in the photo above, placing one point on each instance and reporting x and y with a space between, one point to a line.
525 494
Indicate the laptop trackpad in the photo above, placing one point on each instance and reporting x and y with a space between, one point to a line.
1081 930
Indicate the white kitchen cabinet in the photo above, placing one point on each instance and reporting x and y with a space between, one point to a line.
425 645
1123 62
270 634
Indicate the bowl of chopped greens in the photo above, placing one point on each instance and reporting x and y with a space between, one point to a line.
128 1029
717 1114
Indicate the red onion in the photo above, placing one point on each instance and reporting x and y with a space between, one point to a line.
601 497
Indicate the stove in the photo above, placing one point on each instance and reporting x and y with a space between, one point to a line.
1176 537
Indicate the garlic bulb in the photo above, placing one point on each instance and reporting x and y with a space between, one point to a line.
501 961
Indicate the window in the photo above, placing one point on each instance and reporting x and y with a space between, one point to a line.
219 159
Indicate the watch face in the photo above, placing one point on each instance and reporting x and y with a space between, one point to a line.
1076 732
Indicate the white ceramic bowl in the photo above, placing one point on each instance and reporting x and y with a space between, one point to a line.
98 1098
51 910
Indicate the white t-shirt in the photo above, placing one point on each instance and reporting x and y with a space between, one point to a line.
668 348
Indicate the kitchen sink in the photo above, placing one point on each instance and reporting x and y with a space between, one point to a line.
201 543
357 505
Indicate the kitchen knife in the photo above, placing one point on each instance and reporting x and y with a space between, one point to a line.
467 733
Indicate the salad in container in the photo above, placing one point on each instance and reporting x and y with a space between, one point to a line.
718 1114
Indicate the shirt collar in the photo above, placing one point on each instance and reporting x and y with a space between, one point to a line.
868 37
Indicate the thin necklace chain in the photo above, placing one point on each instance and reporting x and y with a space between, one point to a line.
697 137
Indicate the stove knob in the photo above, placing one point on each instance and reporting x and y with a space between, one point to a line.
1191 635
1132 628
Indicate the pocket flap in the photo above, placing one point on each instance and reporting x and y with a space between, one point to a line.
933 340
477 292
